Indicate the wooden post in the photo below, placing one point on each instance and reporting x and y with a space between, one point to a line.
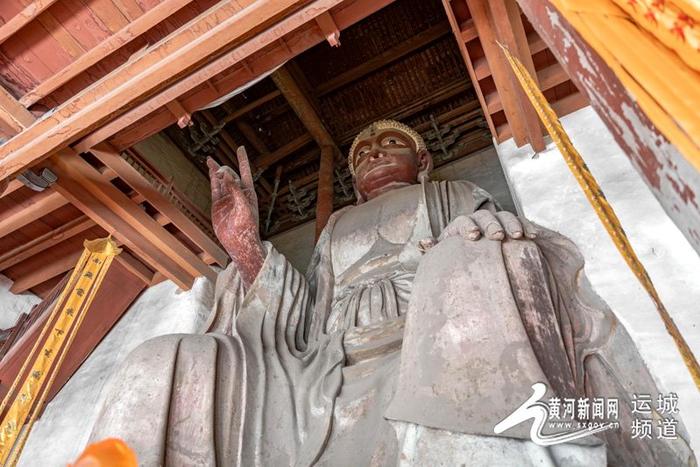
324 197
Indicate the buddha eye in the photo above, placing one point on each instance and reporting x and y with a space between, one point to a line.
362 152
393 141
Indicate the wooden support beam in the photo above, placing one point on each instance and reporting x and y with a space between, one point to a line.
135 29
324 197
327 24
31 209
458 32
13 116
510 32
49 270
250 106
508 94
112 159
211 34
385 58
44 242
284 151
300 38
87 189
23 18
184 118
303 107
136 267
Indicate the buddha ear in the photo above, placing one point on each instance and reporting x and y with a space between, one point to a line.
425 164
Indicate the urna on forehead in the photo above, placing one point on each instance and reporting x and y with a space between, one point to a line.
383 125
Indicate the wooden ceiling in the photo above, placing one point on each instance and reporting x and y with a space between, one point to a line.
402 62
84 80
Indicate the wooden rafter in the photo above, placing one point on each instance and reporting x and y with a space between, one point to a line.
88 190
22 18
112 43
14 118
213 32
284 151
510 32
43 242
112 159
34 207
391 55
303 107
276 53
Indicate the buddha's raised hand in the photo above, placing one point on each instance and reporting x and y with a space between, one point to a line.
493 226
234 215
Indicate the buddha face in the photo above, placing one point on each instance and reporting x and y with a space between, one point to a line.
385 160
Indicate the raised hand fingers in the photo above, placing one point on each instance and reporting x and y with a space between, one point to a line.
510 223
488 224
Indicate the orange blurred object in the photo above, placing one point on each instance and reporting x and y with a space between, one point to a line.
109 452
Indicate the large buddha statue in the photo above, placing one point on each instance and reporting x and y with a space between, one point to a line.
424 319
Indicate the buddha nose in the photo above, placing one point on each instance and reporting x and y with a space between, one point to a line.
376 153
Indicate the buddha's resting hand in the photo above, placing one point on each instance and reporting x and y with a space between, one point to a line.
493 226
234 215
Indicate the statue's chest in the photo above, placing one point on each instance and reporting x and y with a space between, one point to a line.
380 227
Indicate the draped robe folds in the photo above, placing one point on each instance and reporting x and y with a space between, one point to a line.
413 362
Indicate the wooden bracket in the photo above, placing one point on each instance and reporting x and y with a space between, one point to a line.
330 29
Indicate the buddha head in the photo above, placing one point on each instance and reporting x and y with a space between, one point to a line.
387 155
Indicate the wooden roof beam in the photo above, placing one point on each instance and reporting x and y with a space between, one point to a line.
135 29
90 192
112 159
184 118
29 210
183 52
284 151
301 38
303 107
14 118
250 106
44 242
483 21
391 55
23 18
327 24
49 270
511 33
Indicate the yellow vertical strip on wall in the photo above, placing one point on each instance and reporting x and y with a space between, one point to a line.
57 336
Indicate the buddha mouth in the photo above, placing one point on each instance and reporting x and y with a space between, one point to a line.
377 167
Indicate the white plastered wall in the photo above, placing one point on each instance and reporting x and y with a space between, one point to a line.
61 434
11 305
546 192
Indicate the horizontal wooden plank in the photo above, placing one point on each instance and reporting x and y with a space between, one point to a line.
43 242
114 42
34 207
31 11
184 51
300 38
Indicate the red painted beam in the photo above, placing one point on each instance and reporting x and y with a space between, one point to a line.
674 182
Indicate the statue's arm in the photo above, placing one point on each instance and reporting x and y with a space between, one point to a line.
235 216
